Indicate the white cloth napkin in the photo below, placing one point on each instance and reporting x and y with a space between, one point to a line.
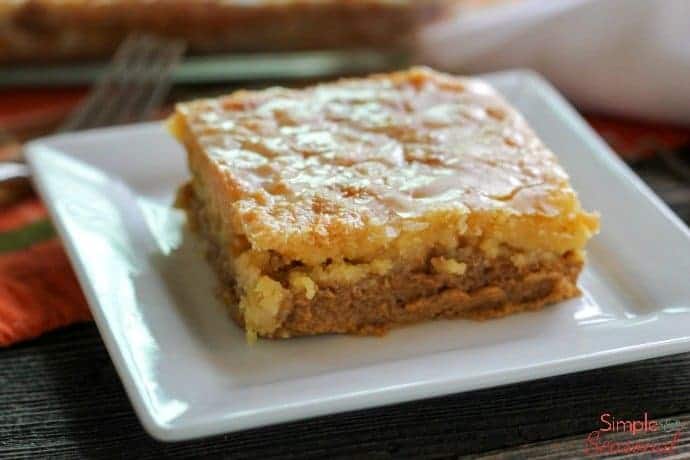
625 57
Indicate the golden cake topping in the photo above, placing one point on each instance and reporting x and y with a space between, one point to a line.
395 155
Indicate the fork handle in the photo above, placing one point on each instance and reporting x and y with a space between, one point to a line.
10 170
15 182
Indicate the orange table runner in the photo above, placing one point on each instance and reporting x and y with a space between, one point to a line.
38 290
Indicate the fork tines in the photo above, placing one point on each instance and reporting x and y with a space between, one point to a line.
132 86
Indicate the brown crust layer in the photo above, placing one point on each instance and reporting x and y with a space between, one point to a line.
490 288
374 306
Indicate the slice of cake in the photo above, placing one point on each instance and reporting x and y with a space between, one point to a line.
354 206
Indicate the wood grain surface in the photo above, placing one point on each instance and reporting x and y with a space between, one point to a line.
61 398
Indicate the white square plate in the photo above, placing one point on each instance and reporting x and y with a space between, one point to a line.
187 367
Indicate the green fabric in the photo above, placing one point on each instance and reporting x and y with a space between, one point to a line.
24 237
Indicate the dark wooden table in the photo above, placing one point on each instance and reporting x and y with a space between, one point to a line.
60 397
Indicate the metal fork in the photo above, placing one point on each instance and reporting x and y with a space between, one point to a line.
133 85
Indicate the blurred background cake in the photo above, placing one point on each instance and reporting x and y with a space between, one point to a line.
50 30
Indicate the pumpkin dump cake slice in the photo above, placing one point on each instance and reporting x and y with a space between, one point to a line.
353 206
